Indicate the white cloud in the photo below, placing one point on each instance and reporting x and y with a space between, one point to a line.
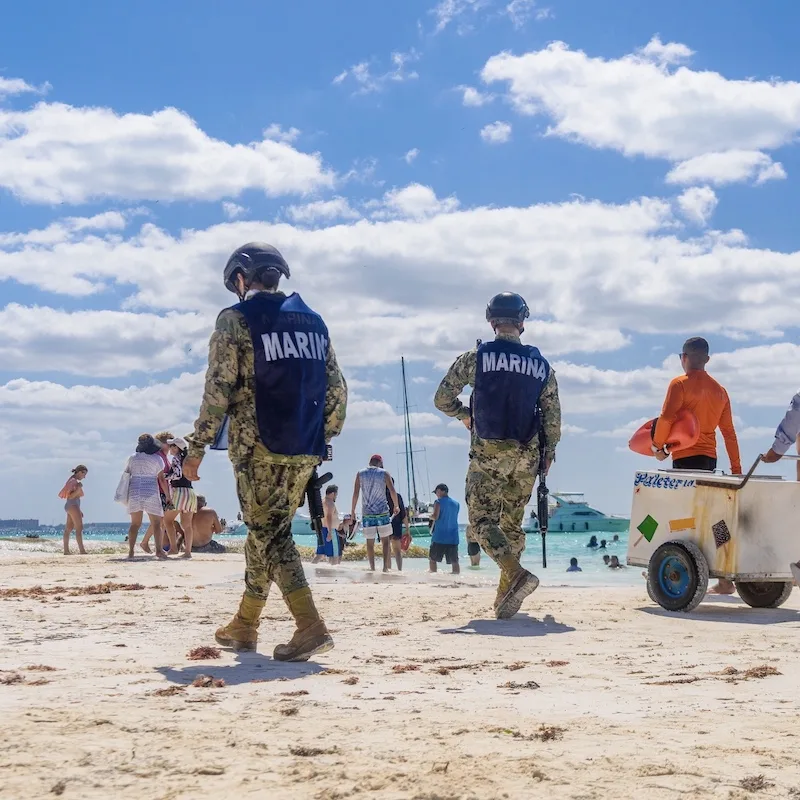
698 204
731 166
56 153
430 441
446 11
233 210
594 273
99 343
379 415
639 105
366 82
496 132
420 379
473 97
278 134
520 11
12 86
665 54
411 155
323 211
415 201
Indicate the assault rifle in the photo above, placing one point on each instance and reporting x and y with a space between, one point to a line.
541 497
314 497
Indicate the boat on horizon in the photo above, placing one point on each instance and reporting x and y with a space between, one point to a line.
569 512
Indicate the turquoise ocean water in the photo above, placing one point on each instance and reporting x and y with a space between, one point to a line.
560 548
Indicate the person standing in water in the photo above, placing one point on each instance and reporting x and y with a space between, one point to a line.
399 522
698 392
332 523
274 397
444 536
72 493
514 402
372 484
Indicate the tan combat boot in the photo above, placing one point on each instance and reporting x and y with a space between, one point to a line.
311 636
502 587
241 633
522 584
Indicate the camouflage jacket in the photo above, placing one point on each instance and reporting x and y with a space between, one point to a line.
230 389
462 373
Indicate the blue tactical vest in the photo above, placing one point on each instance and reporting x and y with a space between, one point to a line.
509 379
290 342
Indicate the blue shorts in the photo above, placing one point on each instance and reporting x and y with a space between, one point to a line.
332 549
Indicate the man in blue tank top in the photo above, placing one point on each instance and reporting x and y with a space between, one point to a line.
372 484
514 403
274 397
444 537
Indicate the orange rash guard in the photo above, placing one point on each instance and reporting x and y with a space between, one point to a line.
708 401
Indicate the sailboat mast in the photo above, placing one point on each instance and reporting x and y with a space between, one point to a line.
410 471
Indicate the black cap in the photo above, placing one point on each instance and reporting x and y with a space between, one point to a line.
442 487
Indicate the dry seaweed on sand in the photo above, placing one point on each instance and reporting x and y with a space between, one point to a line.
168 691
516 666
298 693
389 632
351 681
515 685
202 653
9 678
208 682
556 663
35 592
289 711
755 783
405 667
312 752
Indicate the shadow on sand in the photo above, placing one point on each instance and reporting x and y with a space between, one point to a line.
728 608
249 667
518 625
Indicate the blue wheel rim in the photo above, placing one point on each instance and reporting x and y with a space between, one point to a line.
674 577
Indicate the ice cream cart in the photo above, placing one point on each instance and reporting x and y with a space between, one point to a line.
688 526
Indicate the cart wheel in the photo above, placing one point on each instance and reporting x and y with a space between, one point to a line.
677 576
764 594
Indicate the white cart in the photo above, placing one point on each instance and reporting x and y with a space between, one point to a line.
689 526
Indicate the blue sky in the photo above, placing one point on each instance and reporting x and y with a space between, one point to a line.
632 172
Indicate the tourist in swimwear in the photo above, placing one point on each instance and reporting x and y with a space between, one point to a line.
204 525
184 499
146 468
162 440
573 565
606 559
593 542
399 521
698 392
72 493
614 564
331 525
602 545
376 513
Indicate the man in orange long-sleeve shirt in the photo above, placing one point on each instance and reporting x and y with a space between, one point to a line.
698 392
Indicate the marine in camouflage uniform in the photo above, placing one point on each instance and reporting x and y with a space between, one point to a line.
501 473
270 486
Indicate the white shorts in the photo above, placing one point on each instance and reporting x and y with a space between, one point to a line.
384 531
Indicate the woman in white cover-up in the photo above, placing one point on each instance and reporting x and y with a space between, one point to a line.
146 468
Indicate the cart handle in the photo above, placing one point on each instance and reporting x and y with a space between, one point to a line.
735 486
741 484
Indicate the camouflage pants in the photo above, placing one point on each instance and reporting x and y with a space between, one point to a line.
269 495
496 494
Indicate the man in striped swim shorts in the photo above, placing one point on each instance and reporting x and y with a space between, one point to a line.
376 517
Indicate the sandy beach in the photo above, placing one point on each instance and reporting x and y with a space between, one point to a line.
586 694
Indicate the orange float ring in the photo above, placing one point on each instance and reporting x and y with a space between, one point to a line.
684 433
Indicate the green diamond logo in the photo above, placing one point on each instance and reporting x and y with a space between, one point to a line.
648 528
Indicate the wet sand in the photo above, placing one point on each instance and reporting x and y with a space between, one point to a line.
586 694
